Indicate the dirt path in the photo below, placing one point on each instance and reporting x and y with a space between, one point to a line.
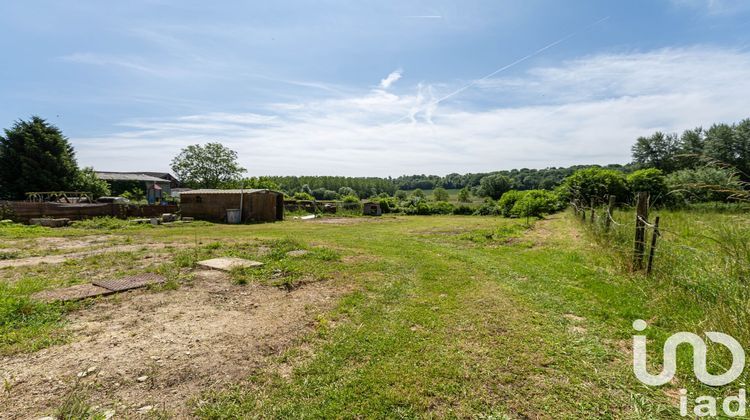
160 349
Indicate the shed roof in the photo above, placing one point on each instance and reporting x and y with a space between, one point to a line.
121 176
236 191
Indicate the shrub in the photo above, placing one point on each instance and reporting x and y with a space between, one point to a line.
401 195
350 199
701 185
303 196
536 203
649 180
488 208
441 207
508 200
463 210
464 196
418 193
596 183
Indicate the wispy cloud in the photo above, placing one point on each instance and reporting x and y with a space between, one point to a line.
715 7
391 79
593 109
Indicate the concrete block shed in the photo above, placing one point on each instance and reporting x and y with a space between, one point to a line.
257 205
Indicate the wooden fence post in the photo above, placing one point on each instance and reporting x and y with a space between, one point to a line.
653 246
610 206
641 216
593 212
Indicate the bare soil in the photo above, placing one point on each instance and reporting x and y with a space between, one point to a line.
61 258
162 348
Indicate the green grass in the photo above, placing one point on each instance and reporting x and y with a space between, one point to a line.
450 316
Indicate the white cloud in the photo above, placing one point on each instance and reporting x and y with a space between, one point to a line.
715 7
588 110
391 79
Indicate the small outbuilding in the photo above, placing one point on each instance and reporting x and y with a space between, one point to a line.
370 208
254 205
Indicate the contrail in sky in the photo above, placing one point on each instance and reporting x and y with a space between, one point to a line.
507 66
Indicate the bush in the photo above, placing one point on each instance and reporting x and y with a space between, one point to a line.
489 208
597 184
463 210
401 195
701 185
303 196
441 207
350 199
649 180
536 203
420 208
508 200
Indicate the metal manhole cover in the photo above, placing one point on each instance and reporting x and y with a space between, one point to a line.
130 282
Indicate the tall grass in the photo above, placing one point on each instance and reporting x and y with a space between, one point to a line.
701 263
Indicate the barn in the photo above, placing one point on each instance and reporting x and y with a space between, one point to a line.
255 205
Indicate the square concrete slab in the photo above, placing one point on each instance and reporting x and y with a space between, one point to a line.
130 282
228 263
77 292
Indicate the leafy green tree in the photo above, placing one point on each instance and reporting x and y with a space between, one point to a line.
464 195
440 194
87 181
418 193
596 183
299 195
657 151
730 145
208 166
35 156
494 186
650 180
401 195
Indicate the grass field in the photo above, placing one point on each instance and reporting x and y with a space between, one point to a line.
437 316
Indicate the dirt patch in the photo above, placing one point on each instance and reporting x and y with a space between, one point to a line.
58 259
204 335
49 244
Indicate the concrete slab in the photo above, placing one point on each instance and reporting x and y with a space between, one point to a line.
297 253
228 263
77 292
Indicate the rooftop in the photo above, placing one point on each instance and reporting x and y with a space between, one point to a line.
123 176
236 191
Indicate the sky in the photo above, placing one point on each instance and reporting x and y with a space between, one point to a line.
385 88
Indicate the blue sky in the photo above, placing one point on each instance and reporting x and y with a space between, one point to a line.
373 88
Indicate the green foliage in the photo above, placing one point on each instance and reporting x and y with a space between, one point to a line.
35 156
701 185
494 186
303 196
657 151
262 182
488 208
108 223
597 184
650 180
351 199
536 203
135 194
208 166
418 193
440 194
463 210
88 182
508 200
401 195
441 207
464 195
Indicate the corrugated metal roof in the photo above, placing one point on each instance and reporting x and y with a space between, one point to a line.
210 191
120 176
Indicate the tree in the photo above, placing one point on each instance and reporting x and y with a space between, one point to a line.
87 181
35 156
401 195
440 194
730 145
494 186
207 166
702 184
657 151
418 193
464 195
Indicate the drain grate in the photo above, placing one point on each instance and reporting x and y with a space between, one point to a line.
130 282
